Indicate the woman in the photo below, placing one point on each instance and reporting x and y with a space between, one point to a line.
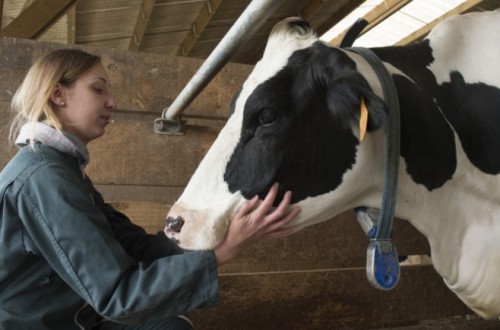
68 260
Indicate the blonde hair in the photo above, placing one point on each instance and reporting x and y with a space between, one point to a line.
31 102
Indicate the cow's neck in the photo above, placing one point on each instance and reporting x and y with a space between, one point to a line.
445 216
433 175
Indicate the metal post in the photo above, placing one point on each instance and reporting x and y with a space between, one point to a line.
257 12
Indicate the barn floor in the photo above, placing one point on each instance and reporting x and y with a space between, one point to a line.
470 322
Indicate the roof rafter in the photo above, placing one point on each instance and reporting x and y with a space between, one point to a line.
141 23
71 22
1 11
422 32
311 8
37 18
375 16
338 15
27 3
199 25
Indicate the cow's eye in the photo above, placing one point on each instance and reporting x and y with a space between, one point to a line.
268 117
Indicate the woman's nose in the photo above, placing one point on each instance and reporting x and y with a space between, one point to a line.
111 102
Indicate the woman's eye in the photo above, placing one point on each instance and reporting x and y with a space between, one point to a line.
268 117
98 90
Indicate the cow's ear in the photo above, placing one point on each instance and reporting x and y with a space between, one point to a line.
347 92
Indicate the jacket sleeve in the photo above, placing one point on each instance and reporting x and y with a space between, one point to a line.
133 238
76 239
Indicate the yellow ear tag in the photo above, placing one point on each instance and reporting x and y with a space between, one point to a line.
363 120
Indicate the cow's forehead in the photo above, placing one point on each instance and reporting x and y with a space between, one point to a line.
284 40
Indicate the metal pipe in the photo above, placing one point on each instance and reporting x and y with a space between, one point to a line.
254 16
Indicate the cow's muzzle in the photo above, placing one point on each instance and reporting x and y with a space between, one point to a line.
174 224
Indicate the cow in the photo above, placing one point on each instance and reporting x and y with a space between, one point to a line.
296 121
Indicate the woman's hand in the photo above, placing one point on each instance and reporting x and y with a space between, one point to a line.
257 220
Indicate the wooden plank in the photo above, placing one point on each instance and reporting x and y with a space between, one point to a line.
422 32
338 16
312 7
149 215
1 11
141 24
71 22
37 18
335 299
27 3
130 153
153 84
120 192
375 17
7 151
197 28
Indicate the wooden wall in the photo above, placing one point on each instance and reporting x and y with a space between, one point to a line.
314 279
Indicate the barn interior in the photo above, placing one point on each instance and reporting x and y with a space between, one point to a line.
314 279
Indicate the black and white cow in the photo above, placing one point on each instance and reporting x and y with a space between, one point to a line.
295 122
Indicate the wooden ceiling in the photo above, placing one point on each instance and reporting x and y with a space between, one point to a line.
177 27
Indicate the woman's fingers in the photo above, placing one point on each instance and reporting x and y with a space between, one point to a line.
281 210
248 207
257 220
267 204
262 213
279 218
257 208
283 221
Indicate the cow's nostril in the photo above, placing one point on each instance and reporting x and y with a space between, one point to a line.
175 224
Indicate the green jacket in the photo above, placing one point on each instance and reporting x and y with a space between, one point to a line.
66 256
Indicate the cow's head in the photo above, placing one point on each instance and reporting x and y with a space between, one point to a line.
295 122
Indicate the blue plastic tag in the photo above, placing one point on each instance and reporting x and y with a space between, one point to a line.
382 264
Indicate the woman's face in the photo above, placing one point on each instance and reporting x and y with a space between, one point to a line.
85 108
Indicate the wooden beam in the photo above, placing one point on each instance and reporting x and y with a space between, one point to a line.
27 3
1 11
338 15
141 23
422 32
71 22
37 18
312 8
375 17
204 17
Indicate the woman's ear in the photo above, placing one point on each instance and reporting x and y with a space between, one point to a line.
57 96
351 98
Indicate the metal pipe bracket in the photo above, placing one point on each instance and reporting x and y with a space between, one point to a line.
170 126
